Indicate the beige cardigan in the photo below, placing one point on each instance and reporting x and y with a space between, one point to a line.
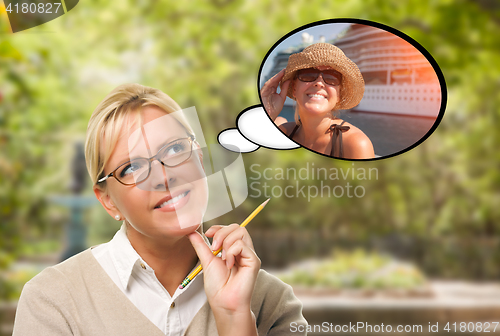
77 297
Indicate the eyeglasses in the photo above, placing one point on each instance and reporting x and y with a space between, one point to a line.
330 77
136 171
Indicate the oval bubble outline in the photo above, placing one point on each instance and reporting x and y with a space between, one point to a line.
414 43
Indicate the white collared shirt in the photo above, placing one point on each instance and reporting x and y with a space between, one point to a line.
134 277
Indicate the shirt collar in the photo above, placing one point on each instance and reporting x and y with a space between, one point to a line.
124 256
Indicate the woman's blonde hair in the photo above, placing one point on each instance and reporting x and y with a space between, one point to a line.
110 116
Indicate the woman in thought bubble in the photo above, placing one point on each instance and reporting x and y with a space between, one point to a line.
321 80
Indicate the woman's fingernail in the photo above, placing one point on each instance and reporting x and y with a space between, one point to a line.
214 244
223 255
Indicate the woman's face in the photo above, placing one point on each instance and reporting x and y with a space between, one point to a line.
172 200
315 98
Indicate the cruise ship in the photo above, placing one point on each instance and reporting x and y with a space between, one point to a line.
398 78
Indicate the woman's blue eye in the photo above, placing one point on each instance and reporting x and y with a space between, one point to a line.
131 168
175 149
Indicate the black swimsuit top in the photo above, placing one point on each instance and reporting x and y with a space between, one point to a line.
336 133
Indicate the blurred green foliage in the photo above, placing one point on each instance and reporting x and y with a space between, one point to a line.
208 54
11 283
356 270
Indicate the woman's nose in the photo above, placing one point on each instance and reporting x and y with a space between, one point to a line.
161 177
319 81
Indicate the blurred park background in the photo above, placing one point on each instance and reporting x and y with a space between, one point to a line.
433 211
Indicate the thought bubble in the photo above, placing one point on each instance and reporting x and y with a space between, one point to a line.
232 138
389 95
254 129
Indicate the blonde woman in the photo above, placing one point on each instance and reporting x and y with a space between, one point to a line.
147 171
321 80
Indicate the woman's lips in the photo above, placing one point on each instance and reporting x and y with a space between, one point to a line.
175 203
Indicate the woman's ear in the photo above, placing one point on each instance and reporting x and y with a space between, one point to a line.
107 203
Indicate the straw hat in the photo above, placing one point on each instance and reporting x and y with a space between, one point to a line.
352 86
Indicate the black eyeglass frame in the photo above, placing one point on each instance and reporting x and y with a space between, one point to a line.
191 139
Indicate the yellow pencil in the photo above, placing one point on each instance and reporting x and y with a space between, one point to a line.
198 269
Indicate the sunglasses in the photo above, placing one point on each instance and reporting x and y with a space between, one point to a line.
330 77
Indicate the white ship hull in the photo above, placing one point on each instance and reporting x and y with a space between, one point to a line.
417 99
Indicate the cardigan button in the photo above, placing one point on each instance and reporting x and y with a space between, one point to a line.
172 305
143 266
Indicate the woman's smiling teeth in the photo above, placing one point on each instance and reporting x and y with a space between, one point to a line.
173 200
314 95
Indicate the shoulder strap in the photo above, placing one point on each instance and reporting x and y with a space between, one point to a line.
337 131
293 132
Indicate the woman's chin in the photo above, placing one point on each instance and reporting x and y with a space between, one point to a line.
190 229
179 231
317 110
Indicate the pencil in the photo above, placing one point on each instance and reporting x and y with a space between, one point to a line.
198 269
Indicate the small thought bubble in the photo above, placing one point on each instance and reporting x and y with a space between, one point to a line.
254 129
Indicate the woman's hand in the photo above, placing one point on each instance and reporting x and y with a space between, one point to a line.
272 100
230 280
